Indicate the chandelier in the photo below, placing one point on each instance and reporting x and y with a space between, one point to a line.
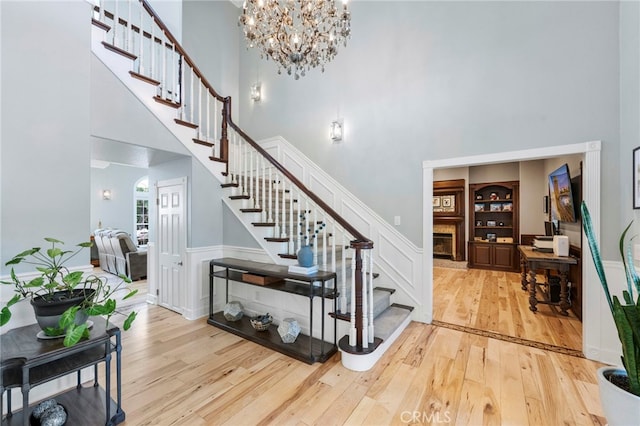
297 34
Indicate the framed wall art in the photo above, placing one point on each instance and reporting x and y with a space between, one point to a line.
636 178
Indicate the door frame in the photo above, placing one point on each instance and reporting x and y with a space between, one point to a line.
591 302
183 250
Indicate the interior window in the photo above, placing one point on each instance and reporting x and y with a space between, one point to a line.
141 213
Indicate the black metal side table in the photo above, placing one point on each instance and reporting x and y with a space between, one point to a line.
27 361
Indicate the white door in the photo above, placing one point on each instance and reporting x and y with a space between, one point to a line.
171 243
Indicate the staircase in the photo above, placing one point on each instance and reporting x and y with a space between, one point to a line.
273 204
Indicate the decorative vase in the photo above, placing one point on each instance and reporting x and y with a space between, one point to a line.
620 407
305 256
233 311
289 330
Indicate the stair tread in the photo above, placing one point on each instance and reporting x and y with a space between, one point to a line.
144 78
203 142
185 123
390 319
167 102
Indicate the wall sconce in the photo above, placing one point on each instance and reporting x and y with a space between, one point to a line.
106 194
256 92
336 131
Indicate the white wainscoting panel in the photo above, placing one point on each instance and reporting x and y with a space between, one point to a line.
197 280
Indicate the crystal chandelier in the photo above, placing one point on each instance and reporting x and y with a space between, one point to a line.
297 34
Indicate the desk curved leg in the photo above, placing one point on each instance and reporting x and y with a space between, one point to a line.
523 273
564 294
532 291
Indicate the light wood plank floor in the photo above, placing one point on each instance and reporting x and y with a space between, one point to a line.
179 372
494 301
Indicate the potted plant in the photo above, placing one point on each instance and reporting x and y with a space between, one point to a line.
620 388
63 300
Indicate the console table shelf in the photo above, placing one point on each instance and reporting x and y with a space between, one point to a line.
287 286
28 361
91 399
305 348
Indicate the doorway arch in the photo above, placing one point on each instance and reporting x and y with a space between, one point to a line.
591 341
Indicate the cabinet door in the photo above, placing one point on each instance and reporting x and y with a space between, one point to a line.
503 256
482 254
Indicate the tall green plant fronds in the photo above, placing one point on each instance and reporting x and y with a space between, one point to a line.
595 252
626 316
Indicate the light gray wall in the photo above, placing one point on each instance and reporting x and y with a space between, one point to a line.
629 105
210 37
118 212
494 173
533 187
207 223
235 234
45 169
431 80
170 12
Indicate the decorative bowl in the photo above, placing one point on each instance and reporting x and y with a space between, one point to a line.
261 322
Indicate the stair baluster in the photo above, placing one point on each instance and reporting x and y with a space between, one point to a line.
353 332
276 206
369 289
343 275
141 69
364 341
270 205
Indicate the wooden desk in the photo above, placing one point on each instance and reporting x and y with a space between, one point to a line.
531 259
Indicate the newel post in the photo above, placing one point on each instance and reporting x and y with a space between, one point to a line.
359 246
224 141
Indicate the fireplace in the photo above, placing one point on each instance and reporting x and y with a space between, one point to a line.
449 219
443 245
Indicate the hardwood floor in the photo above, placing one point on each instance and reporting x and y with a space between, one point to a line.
495 302
179 372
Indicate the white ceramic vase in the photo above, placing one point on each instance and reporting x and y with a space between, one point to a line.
621 408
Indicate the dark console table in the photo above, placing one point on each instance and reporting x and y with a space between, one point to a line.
305 348
28 361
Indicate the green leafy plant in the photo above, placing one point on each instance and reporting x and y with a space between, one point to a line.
56 279
626 316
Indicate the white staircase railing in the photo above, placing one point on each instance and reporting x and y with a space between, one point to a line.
296 215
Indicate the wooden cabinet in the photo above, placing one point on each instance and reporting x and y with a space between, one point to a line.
493 226
492 255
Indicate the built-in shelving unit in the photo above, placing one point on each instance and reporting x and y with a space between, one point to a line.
493 226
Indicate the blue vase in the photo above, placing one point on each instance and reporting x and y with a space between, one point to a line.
305 256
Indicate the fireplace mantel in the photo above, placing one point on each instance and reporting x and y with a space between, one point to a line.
454 218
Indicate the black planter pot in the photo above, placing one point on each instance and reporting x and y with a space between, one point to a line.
48 311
